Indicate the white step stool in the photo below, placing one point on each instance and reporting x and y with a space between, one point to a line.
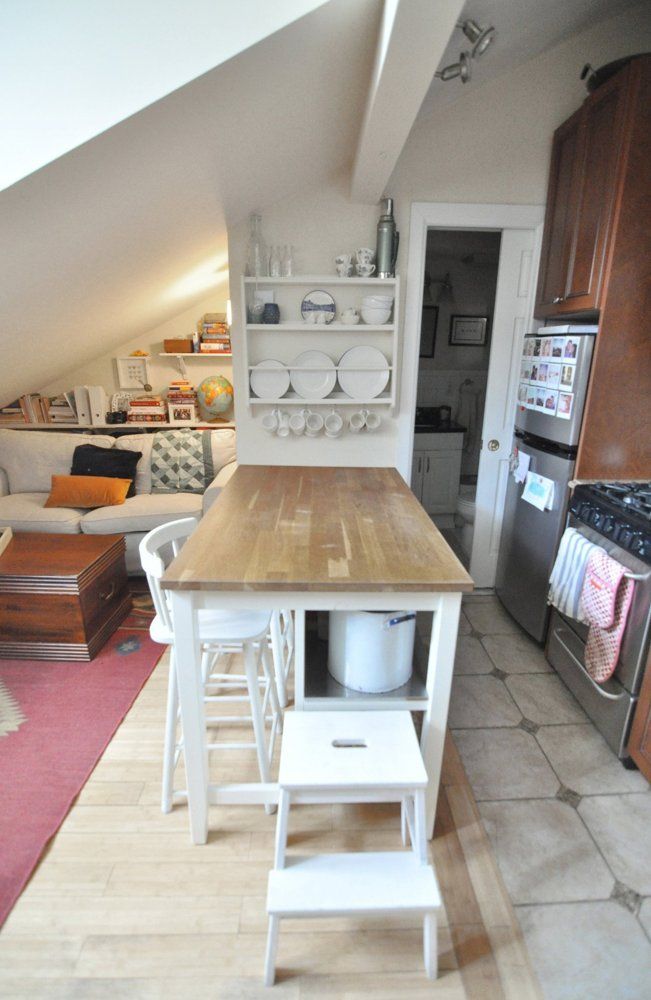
352 757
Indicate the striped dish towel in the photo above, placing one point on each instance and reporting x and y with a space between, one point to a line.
566 580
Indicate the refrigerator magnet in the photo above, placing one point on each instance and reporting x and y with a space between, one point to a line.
536 347
565 405
538 491
531 397
546 347
558 345
551 402
554 376
542 374
522 393
540 398
567 376
570 350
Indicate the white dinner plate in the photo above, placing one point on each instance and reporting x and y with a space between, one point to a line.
363 384
316 384
269 379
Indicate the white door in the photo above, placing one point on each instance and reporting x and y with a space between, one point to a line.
512 309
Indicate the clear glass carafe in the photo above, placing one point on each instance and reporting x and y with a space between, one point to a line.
257 260
287 261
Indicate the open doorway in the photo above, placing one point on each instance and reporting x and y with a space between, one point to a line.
519 228
459 287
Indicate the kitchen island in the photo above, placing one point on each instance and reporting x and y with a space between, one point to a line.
315 540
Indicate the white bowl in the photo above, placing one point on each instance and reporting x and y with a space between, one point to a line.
380 301
374 316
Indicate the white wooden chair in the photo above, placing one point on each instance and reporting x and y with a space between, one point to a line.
352 757
220 633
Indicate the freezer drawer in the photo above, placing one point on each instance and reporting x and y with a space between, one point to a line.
529 543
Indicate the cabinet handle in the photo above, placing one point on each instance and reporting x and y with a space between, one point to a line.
108 594
427 470
559 298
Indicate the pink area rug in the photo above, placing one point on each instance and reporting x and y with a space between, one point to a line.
56 720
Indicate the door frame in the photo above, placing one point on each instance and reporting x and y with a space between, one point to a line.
435 215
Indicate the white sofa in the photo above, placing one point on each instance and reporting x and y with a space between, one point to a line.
28 460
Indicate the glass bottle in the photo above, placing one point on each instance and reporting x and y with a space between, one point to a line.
287 263
256 251
274 262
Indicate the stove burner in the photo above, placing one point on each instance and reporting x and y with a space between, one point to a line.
619 511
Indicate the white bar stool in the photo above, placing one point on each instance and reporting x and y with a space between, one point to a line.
352 757
220 633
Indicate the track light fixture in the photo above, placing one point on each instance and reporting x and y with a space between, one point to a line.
478 36
461 69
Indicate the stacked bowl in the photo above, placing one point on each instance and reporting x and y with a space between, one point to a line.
376 309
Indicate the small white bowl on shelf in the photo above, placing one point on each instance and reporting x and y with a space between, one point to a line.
375 316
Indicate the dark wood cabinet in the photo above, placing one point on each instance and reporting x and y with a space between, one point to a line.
582 191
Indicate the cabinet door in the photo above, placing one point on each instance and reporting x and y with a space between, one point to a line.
417 468
639 744
600 146
441 481
559 216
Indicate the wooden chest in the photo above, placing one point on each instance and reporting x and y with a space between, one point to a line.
61 596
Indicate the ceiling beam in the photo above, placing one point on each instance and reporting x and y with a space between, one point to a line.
413 36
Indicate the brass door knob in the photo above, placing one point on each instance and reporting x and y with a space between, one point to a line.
493 445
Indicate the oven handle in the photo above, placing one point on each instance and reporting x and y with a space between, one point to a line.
597 687
637 576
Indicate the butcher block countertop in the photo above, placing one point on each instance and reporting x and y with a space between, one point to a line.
286 528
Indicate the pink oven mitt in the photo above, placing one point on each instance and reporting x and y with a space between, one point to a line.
606 598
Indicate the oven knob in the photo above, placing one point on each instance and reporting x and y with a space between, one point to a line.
626 536
596 517
584 510
639 544
608 524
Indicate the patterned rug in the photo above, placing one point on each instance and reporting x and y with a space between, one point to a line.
56 720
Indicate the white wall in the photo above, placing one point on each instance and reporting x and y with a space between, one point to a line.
73 68
101 371
492 145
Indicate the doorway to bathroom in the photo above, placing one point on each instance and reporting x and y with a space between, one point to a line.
519 229
459 286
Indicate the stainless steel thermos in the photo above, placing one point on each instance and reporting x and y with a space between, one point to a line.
388 239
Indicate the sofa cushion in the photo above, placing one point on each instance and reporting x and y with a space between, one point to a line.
118 463
222 445
26 512
142 443
87 491
141 513
31 458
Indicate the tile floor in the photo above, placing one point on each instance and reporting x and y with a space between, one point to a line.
571 828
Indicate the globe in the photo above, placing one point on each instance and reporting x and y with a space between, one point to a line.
215 395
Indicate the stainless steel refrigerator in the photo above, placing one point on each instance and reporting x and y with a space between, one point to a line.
554 373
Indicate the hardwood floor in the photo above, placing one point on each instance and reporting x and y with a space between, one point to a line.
124 906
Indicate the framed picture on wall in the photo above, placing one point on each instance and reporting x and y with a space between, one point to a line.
428 331
468 331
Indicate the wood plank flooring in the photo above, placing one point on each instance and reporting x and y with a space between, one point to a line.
124 906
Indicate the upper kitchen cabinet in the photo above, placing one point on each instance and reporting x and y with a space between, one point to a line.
582 197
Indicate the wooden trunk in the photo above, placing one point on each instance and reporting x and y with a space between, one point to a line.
61 596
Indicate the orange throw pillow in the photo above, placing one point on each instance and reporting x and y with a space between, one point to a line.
87 491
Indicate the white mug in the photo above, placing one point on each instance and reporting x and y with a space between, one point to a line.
344 270
283 425
270 421
373 421
365 255
356 422
350 316
343 258
313 424
334 425
365 270
297 423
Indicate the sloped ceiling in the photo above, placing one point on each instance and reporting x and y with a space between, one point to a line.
129 229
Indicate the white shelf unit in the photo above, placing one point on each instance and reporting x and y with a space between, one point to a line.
332 338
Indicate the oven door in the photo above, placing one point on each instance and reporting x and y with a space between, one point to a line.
609 705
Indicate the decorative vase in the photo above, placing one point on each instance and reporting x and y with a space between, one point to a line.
271 313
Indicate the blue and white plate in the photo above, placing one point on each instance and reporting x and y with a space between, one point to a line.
318 307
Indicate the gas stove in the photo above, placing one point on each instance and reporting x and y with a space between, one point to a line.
619 511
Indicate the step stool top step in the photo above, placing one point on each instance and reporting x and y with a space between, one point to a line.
384 751
337 884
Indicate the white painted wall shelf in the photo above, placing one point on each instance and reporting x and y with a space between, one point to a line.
263 341
180 358
127 428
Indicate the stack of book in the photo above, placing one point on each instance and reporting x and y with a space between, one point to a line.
214 334
181 391
150 409
61 409
12 413
35 408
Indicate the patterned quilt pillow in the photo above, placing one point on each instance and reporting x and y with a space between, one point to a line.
181 461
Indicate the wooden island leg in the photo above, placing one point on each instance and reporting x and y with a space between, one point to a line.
188 672
440 670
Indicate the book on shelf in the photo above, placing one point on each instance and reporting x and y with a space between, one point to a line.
146 418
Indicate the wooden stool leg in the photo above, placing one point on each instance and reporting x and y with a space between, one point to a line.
270 957
430 945
169 746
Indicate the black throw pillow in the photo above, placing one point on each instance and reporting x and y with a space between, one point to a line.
117 463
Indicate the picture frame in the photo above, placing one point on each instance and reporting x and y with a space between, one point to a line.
429 322
133 372
182 414
468 331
